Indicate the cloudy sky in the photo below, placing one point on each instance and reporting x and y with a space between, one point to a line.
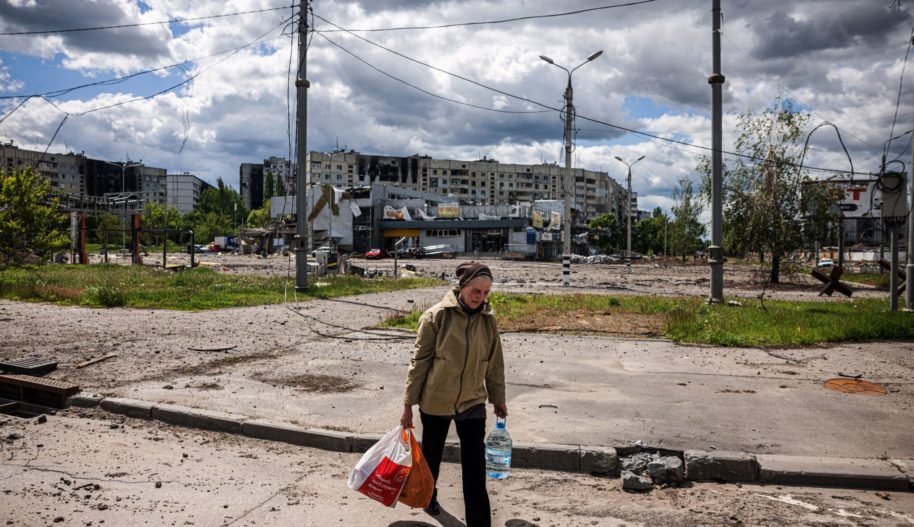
218 96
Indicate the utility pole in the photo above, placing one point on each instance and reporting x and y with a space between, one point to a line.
716 80
628 211
301 136
568 185
909 269
568 181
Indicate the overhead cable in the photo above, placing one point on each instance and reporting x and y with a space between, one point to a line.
413 86
491 22
904 65
552 108
124 78
185 81
139 24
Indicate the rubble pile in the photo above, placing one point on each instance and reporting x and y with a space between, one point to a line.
642 470
595 259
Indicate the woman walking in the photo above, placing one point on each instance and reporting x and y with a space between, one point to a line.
457 364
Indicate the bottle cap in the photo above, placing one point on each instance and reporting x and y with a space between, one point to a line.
500 423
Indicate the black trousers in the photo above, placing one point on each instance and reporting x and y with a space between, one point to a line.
472 434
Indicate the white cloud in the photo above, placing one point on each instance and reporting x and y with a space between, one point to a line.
237 109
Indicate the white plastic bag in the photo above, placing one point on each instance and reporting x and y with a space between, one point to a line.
382 471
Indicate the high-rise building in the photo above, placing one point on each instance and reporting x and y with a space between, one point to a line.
481 182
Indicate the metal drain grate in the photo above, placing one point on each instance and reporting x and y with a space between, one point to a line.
29 366
855 386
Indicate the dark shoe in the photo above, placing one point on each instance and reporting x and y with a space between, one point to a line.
433 509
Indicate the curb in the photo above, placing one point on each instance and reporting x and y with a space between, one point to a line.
724 467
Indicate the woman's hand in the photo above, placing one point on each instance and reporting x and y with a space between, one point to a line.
501 410
406 420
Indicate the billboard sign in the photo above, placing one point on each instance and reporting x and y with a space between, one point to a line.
861 199
448 210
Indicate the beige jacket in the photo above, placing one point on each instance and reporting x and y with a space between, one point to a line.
457 362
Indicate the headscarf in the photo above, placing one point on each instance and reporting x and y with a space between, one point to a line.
468 271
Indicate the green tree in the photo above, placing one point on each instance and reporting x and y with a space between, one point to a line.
605 231
30 223
259 217
686 230
105 224
268 186
218 213
154 218
762 198
647 234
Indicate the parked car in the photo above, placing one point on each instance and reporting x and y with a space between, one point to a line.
322 249
199 248
375 254
825 262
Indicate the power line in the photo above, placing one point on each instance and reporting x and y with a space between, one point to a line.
139 24
491 22
189 79
413 86
124 78
900 84
548 107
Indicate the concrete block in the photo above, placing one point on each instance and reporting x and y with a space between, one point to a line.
721 466
286 433
362 442
636 482
128 407
85 400
195 418
547 457
875 474
668 469
600 461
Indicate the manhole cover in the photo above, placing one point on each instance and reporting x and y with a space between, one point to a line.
841 384
29 366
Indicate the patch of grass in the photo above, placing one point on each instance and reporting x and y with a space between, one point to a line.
776 324
880 280
191 289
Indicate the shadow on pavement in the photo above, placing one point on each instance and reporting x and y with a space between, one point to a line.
444 519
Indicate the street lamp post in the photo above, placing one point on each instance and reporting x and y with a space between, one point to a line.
569 142
628 209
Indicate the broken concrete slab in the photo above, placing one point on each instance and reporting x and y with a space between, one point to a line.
733 467
667 469
128 407
286 433
545 456
195 418
636 482
832 472
600 461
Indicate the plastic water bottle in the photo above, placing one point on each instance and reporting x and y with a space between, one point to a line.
498 451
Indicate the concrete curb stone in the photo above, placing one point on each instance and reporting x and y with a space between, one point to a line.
600 461
546 456
895 475
731 467
128 407
362 442
195 418
286 433
85 400
833 472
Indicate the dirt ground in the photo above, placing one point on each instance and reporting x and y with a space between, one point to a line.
668 277
316 364
87 467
